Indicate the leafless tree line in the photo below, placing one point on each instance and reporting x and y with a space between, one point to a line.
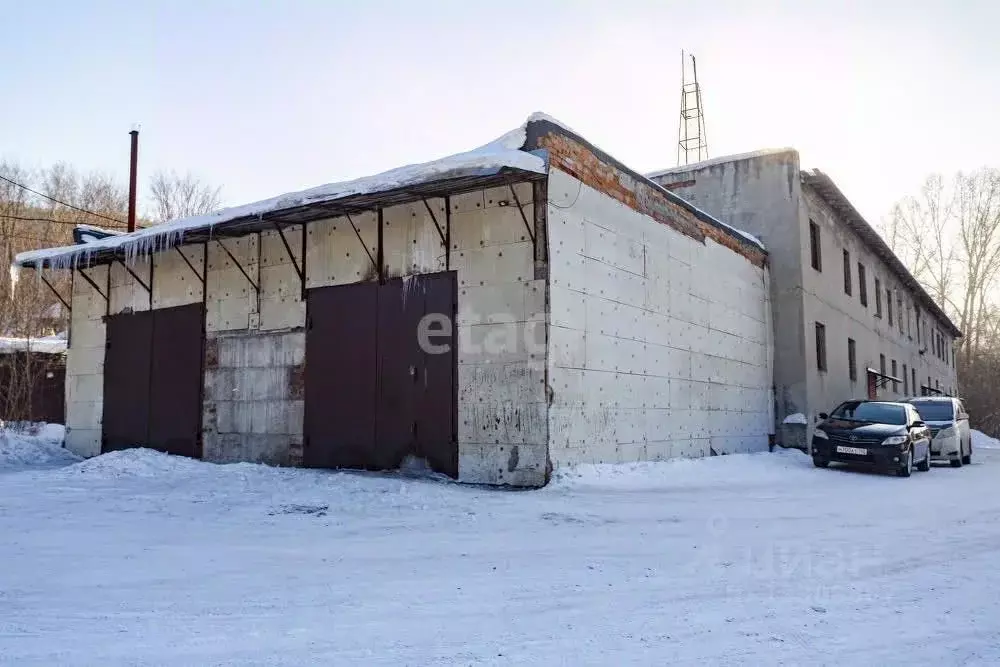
28 309
948 234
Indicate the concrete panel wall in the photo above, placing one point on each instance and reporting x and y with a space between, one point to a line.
255 350
761 194
411 242
502 424
174 282
85 365
342 250
231 298
253 397
128 295
659 343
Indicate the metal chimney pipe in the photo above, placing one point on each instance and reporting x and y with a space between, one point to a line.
133 167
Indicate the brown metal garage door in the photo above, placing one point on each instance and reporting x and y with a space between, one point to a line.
153 380
372 395
340 386
126 380
176 381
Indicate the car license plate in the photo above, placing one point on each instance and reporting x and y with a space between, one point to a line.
852 450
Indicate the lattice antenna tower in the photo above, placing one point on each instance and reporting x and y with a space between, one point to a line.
692 141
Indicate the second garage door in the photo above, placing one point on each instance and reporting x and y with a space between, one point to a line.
380 374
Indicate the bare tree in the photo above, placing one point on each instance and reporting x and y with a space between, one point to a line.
919 231
176 196
949 237
978 213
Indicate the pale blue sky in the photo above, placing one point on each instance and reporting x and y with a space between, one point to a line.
266 97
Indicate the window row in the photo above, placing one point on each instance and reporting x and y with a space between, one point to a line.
908 379
898 315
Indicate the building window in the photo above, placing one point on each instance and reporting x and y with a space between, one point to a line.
913 380
888 303
906 382
862 285
899 313
852 360
814 246
881 364
847 273
895 385
918 326
878 298
924 390
820 347
952 356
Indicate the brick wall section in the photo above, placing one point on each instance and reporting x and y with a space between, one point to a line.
580 162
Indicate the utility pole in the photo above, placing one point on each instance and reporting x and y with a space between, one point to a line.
133 167
692 141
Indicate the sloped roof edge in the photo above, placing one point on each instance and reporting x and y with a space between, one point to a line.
828 191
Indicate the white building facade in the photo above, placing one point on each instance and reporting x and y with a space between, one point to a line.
850 320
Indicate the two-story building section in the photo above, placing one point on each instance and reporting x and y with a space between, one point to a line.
850 321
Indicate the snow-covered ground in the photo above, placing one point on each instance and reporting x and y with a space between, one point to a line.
137 558
982 441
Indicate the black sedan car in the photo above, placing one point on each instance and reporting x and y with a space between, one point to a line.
880 434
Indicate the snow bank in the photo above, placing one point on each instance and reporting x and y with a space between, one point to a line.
44 448
797 418
137 462
46 344
53 433
685 473
982 441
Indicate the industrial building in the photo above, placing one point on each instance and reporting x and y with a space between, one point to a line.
850 321
497 314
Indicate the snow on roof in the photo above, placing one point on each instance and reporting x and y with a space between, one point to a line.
722 159
100 230
504 152
45 345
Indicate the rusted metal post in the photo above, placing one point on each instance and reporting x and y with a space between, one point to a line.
132 176
380 253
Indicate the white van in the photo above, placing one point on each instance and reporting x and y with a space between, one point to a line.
949 424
